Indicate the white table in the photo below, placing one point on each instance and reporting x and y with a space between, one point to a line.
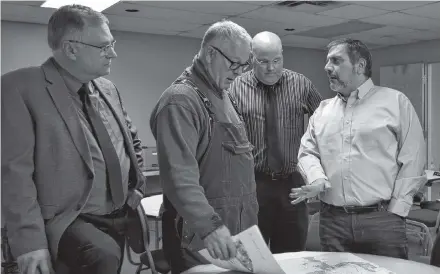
150 173
433 177
398 266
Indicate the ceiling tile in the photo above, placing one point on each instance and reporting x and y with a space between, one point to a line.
254 26
353 12
419 35
404 20
162 13
213 7
309 8
292 18
25 3
137 24
392 5
386 40
24 13
196 33
430 11
259 3
340 29
387 30
291 39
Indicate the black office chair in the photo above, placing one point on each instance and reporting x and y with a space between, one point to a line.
139 243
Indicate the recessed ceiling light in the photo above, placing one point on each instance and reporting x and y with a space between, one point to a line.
289 29
131 10
96 5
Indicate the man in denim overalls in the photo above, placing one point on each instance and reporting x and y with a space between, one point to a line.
205 158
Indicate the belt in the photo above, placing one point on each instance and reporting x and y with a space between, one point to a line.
381 206
271 176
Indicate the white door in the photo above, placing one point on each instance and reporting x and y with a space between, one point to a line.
434 116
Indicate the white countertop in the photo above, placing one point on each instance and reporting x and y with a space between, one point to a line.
150 173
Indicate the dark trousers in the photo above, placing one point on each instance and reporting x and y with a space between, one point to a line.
94 244
435 254
179 259
378 233
284 226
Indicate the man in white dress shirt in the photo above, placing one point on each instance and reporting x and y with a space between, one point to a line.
364 154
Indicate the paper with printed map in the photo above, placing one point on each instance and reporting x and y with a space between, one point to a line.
253 254
331 263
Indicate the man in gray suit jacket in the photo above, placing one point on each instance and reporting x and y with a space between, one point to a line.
71 157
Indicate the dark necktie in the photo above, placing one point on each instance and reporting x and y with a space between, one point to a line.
274 153
113 167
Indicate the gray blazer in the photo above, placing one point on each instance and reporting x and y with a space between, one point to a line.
47 171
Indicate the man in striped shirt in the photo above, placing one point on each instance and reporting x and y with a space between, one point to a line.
273 102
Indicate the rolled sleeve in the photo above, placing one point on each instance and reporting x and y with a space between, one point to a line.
309 161
411 159
403 195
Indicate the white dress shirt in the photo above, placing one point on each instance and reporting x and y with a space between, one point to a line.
370 148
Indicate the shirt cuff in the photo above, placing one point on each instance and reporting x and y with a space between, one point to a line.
399 207
205 229
327 184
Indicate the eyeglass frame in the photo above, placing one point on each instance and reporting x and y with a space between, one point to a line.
266 63
104 49
234 65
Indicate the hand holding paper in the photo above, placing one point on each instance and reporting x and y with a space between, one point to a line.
220 245
252 254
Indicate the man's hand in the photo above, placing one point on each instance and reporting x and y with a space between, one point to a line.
35 262
220 245
134 198
307 191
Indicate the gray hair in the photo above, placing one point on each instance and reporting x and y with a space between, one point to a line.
227 31
71 18
355 50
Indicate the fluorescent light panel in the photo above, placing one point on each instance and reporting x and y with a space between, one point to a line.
98 5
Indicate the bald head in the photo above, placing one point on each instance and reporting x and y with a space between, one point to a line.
265 41
267 52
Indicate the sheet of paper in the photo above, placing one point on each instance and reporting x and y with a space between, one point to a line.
152 205
253 254
331 263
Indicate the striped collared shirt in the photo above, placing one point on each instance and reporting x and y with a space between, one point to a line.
295 96
369 147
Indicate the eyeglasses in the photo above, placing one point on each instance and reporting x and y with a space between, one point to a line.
275 62
104 49
234 65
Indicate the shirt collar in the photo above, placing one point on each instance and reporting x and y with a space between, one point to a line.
256 80
361 91
365 88
202 75
72 83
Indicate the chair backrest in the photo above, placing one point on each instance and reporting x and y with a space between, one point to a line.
138 231
138 234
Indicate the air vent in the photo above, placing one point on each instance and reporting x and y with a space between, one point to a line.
298 3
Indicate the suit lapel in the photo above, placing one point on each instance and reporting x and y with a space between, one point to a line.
60 96
106 94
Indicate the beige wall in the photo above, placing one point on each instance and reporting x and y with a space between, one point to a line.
145 67
427 52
